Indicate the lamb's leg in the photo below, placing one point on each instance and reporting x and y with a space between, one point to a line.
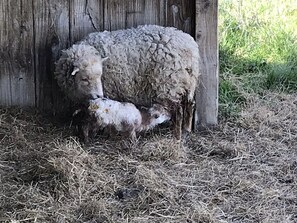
178 122
129 130
108 131
188 115
94 130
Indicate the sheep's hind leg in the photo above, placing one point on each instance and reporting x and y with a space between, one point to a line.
178 122
188 116
84 133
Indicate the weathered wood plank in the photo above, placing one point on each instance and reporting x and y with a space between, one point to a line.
207 38
135 11
126 14
5 88
114 14
5 91
51 28
154 12
181 14
86 16
17 80
141 12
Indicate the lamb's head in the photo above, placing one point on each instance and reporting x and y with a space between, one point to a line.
82 79
158 114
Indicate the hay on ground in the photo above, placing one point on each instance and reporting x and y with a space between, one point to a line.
241 171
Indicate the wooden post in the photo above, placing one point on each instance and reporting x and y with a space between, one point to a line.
207 38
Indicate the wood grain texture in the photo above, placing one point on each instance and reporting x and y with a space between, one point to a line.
51 28
127 14
207 38
154 12
17 81
86 16
141 12
114 14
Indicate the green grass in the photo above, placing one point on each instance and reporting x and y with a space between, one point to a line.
230 99
258 44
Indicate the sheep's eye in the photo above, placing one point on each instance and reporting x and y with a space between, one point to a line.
85 79
156 116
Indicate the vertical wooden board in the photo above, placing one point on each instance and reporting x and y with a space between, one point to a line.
181 14
5 91
135 13
207 38
154 12
5 88
5 95
140 12
86 16
125 14
115 14
51 27
17 59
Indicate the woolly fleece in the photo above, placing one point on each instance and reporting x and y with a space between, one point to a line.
148 64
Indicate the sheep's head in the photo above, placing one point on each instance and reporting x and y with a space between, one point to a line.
87 74
79 72
158 114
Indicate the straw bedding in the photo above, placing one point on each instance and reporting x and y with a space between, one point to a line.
241 171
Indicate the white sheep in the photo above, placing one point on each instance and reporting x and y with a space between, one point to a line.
122 116
148 64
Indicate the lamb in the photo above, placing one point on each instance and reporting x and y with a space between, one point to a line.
148 64
122 116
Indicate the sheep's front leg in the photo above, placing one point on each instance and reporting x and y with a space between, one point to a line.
108 131
94 131
84 133
178 122
188 115
132 135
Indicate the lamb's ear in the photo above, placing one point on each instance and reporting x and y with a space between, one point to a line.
103 59
74 71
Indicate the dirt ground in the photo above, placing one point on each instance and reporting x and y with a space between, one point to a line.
242 171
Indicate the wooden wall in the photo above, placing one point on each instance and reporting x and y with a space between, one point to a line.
32 33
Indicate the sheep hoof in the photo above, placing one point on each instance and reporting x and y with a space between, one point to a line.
178 134
186 134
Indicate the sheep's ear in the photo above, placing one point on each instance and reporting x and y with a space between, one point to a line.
74 71
103 59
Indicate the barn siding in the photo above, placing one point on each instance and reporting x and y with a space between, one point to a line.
51 35
32 33
86 16
17 85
